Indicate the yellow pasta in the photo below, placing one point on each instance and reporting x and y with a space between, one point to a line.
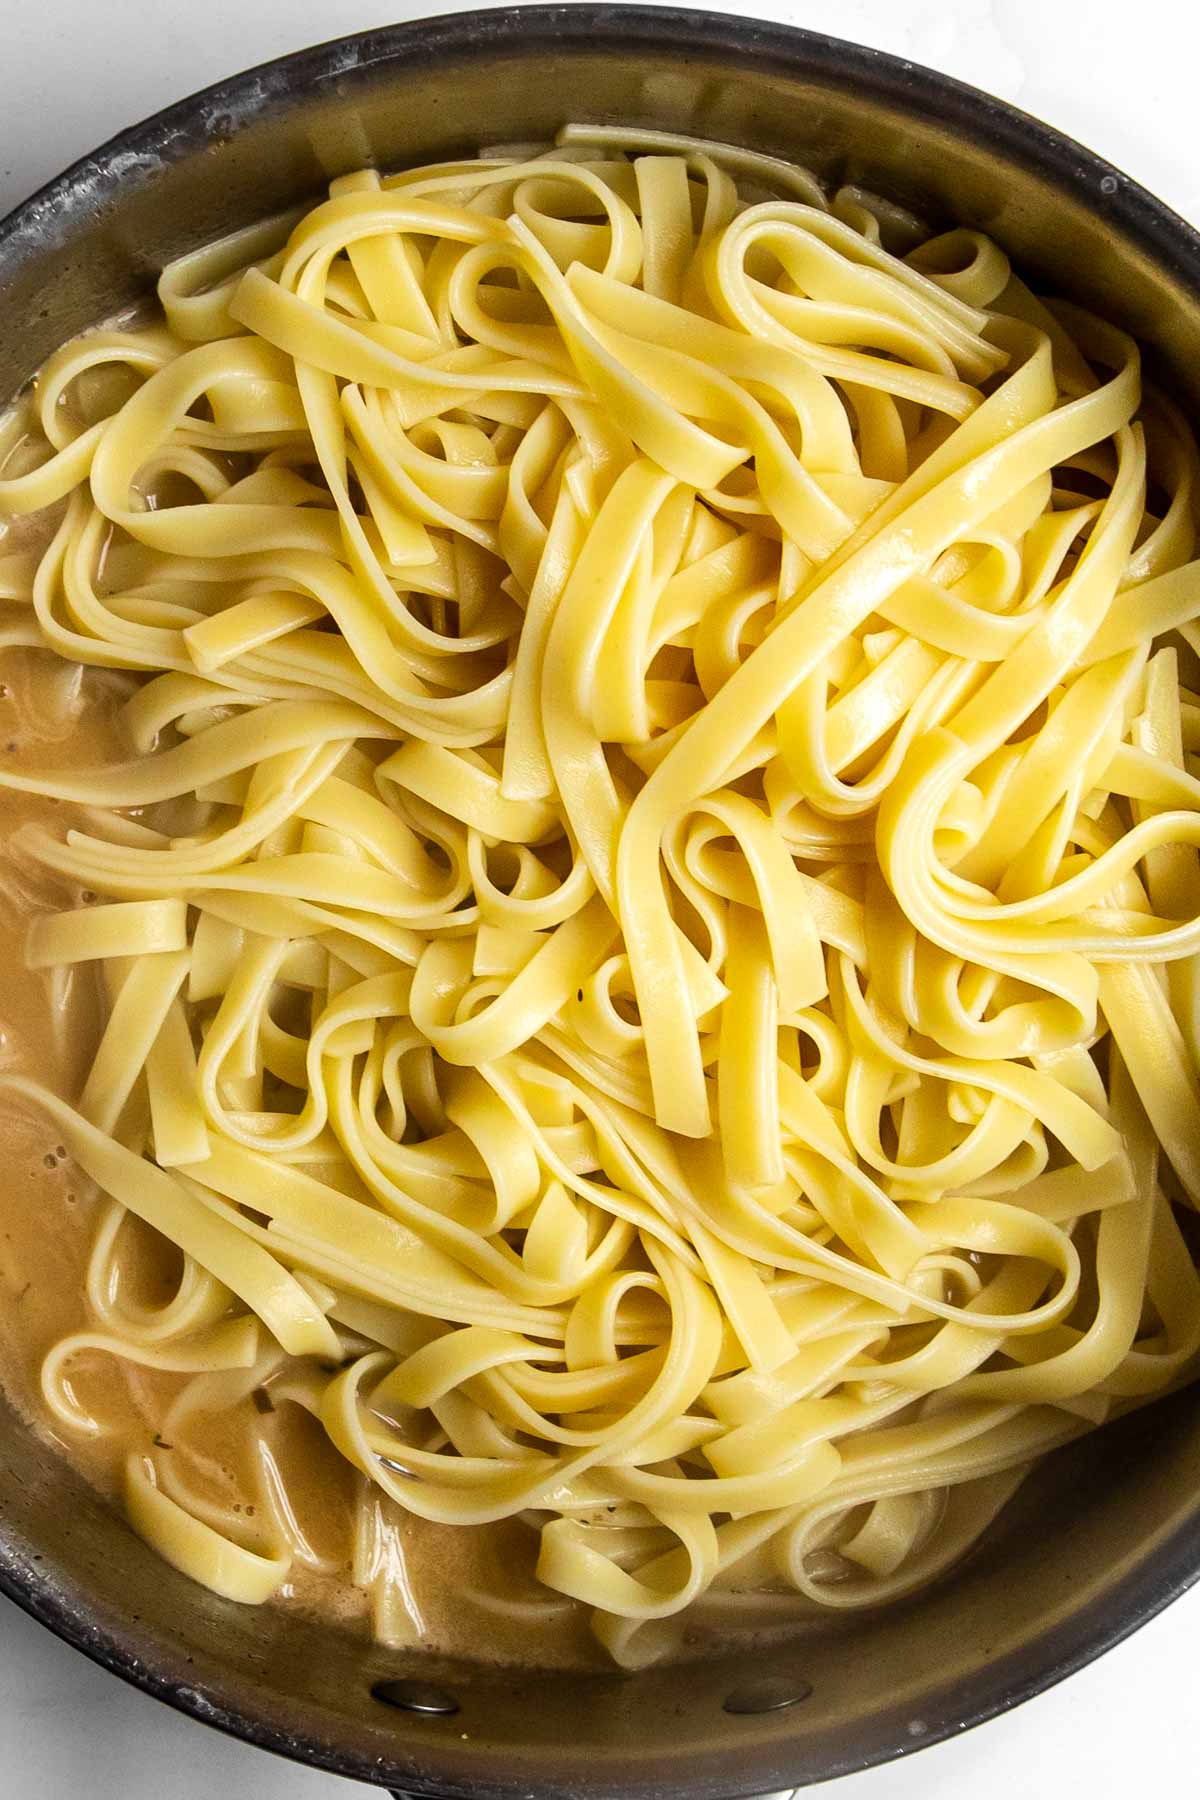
650 925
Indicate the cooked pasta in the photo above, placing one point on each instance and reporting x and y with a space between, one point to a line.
648 919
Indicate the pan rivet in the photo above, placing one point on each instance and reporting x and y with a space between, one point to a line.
416 1696
770 1694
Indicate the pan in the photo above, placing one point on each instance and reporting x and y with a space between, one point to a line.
1107 1532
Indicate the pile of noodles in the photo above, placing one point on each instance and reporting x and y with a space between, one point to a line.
650 920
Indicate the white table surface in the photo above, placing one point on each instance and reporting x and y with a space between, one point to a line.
1120 77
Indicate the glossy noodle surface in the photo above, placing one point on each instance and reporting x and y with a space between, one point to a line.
603 822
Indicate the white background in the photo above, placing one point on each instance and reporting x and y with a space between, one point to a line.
1120 76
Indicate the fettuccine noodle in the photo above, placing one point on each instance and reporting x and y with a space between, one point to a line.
650 919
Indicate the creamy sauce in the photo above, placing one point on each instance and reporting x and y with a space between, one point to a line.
466 1592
